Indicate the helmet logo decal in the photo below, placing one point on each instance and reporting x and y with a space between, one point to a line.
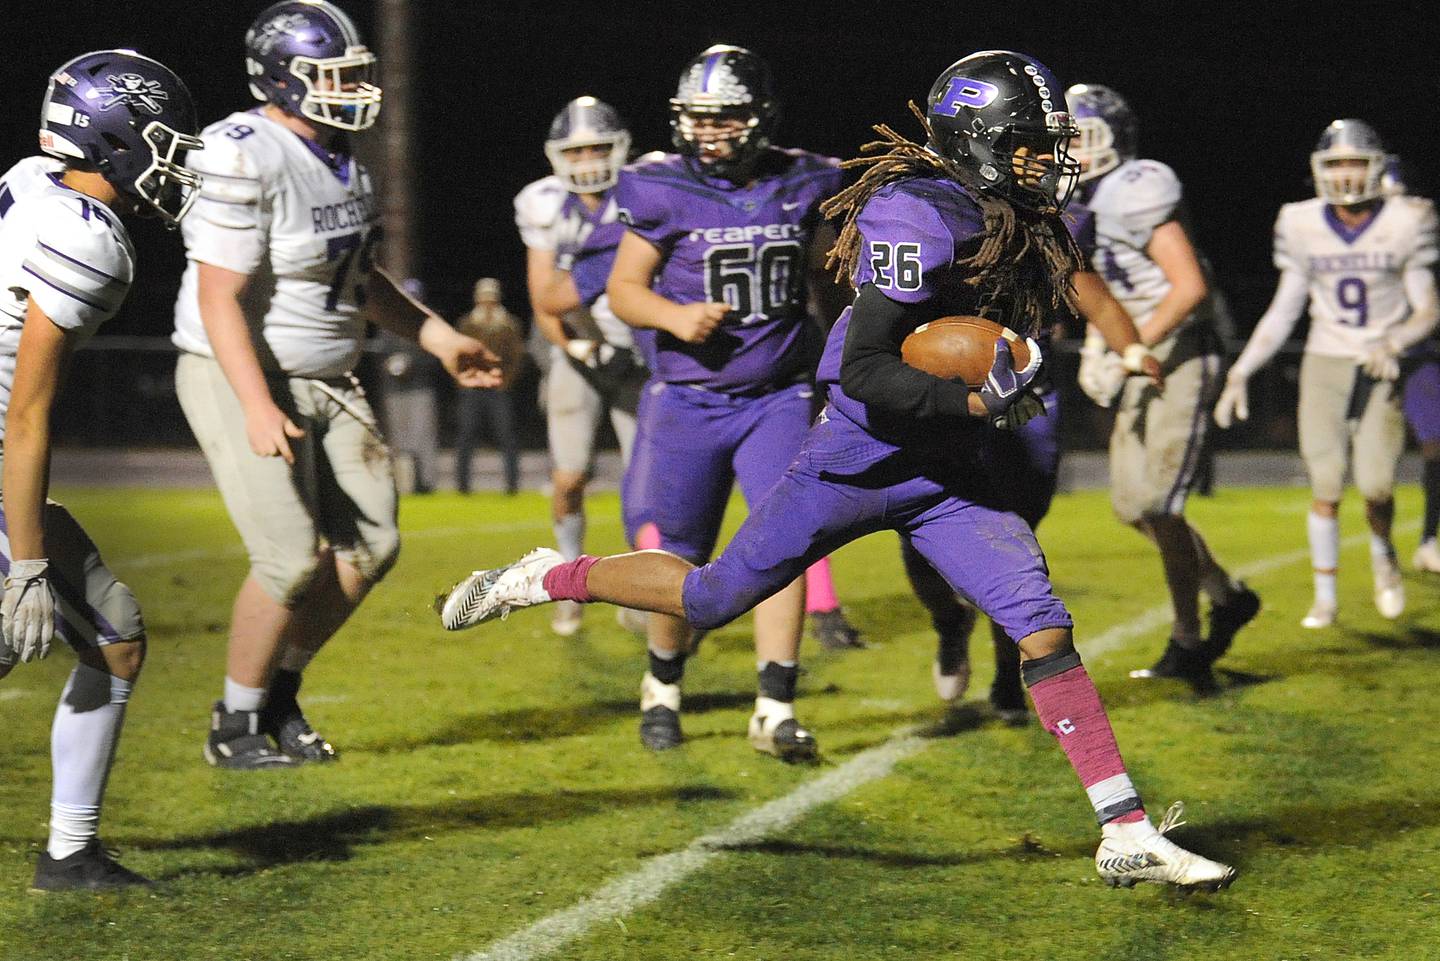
133 90
271 32
713 80
964 92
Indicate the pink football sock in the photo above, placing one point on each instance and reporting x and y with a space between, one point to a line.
1069 707
566 582
820 588
647 538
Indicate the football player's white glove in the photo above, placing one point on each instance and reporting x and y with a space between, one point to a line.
1102 371
27 615
1234 402
1380 360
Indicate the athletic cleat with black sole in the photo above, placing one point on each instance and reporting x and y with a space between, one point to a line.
659 714
834 631
92 868
1227 619
297 739
774 731
1191 665
1132 853
486 595
236 742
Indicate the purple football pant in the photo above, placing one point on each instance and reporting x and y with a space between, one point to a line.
986 554
1422 402
691 446
634 509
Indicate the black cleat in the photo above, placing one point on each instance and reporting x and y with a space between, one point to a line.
660 728
1191 665
92 868
1009 704
834 631
297 739
1227 619
237 742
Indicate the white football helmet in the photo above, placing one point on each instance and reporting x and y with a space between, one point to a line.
1348 163
587 122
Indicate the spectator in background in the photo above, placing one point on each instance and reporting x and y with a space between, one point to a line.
491 323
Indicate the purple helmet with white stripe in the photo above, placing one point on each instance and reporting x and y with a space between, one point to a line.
1108 135
587 122
306 57
130 119
724 83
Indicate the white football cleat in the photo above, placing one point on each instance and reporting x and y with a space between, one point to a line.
774 730
1427 557
951 687
566 620
1389 589
636 622
486 595
1131 853
1321 614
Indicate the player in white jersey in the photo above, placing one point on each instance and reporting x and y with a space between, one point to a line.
270 321
1143 252
121 125
595 364
1365 262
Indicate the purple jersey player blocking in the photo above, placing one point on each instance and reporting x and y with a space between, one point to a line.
966 223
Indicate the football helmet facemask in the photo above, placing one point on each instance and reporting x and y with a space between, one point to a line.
724 110
1348 163
1001 116
1107 129
129 118
306 57
587 122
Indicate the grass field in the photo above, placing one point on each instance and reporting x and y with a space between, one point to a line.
492 779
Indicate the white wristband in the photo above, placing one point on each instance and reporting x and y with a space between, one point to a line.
1134 358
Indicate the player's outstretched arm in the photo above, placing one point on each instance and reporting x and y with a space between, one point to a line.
28 607
1113 322
1172 252
634 302
1269 334
466 359
539 275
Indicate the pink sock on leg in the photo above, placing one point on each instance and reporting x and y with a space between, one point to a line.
1069 707
566 582
647 538
820 588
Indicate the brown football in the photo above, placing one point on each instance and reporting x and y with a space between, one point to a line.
960 348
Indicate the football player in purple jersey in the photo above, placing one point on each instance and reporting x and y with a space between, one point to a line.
1030 461
967 223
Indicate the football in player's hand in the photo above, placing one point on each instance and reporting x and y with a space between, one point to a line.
961 348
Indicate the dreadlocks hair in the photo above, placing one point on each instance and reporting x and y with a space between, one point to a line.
1025 261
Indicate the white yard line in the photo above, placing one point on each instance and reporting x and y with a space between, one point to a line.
632 891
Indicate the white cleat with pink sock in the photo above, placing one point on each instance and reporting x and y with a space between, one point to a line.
486 595
1139 851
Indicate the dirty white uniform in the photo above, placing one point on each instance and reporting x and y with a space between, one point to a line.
1159 435
302 224
72 255
551 218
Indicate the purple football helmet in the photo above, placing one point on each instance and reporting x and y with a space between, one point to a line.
1348 163
306 57
132 120
587 122
724 83
998 115
1108 135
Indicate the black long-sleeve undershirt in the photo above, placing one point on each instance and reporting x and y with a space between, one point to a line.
872 372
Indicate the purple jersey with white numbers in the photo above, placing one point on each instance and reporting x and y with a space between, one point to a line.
747 246
911 233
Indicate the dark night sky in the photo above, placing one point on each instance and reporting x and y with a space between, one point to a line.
1233 102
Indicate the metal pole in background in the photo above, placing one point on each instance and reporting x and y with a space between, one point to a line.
395 28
